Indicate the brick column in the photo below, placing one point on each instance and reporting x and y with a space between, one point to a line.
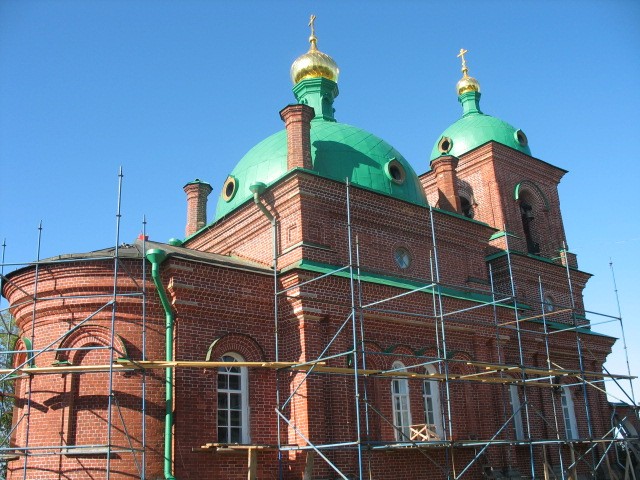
444 168
197 193
297 120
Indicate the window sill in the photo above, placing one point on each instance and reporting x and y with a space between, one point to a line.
79 451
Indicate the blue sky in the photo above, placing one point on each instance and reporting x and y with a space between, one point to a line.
174 90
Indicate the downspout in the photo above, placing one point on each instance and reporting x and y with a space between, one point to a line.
156 256
258 189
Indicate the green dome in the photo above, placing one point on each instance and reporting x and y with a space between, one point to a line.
475 129
338 151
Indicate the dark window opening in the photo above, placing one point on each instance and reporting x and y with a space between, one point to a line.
521 138
445 144
526 211
229 189
395 171
467 208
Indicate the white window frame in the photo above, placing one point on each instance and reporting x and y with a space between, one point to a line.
516 410
434 396
228 392
401 405
568 414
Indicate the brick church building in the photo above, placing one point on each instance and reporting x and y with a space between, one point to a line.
340 316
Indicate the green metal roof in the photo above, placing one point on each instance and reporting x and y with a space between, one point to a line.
475 129
338 151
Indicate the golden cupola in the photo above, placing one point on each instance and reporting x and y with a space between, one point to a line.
314 63
466 83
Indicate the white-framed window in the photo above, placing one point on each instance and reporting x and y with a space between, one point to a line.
516 410
431 397
233 402
568 413
401 407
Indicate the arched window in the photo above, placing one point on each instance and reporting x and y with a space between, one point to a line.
529 213
233 402
568 413
516 410
431 397
400 399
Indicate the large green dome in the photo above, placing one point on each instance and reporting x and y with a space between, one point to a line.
338 151
475 129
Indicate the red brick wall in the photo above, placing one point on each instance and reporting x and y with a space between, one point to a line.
232 310
69 410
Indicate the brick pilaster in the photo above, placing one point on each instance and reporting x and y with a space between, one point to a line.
297 120
444 168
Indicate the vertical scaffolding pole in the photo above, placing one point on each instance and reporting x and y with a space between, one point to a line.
113 323
8 333
521 353
580 358
143 265
274 241
354 333
624 339
503 387
33 334
363 352
443 355
548 353
436 319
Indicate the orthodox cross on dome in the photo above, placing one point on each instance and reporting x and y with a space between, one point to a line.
312 39
465 70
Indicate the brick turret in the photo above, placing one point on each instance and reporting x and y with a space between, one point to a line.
297 120
197 193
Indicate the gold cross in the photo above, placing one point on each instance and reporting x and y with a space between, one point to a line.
312 19
464 62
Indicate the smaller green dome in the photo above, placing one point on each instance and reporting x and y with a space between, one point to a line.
475 129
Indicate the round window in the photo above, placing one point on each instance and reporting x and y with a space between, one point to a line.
229 188
521 138
445 144
402 257
395 171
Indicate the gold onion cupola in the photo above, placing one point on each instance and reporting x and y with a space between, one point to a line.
314 63
315 77
466 83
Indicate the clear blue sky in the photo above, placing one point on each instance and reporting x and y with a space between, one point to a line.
174 90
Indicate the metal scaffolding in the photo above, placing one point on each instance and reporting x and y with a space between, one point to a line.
26 371
501 374
590 453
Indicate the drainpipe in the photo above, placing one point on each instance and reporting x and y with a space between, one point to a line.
156 256
258 189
